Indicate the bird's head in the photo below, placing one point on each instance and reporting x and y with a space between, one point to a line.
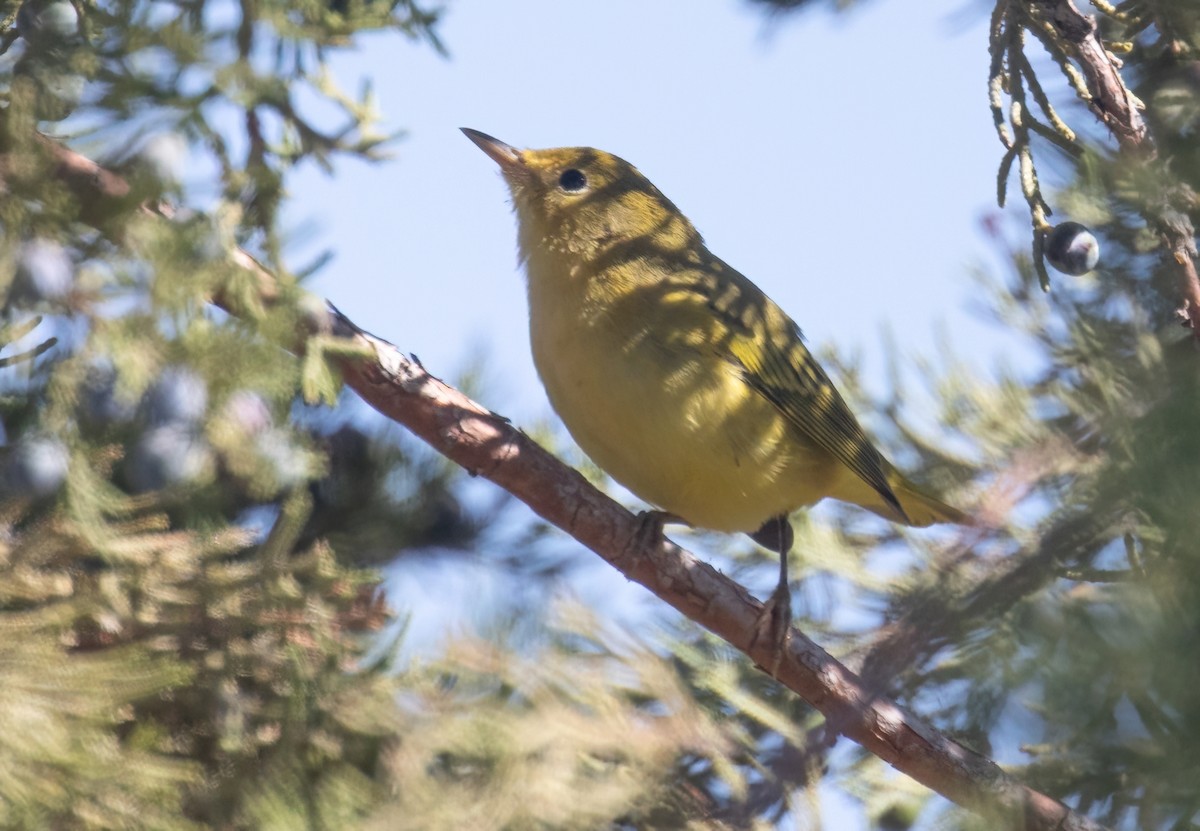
585 202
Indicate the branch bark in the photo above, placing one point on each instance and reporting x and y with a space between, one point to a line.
1112 102
487 445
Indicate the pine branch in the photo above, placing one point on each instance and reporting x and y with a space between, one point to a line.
1119 110
1111 100
487 445
943 617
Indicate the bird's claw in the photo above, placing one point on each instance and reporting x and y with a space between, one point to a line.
649 532
774 626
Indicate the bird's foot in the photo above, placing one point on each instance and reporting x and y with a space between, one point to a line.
649 532
775 620
774 626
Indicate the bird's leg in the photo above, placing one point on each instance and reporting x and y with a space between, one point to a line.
650 530
775 620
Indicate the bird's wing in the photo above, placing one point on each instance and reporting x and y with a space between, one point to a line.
767 346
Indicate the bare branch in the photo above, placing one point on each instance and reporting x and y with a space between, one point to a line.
1111 100
28 354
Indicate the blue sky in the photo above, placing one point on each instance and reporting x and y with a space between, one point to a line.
841 162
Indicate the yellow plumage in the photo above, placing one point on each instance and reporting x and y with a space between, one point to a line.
671 370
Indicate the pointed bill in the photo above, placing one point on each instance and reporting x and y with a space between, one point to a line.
506 156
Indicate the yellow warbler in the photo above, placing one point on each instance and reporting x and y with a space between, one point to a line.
674 372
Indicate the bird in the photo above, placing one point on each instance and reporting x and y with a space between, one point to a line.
675 373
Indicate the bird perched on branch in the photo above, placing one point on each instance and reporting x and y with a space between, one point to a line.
674 372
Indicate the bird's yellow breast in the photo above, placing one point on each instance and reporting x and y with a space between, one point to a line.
637 373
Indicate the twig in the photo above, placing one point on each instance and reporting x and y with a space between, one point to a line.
1097 575
1111 100
28 354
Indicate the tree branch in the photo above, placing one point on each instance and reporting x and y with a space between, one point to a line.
944 615
487 445
1118 109
1112 102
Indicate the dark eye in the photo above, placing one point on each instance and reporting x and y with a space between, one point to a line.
572 180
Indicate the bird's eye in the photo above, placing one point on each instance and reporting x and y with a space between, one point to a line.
572 180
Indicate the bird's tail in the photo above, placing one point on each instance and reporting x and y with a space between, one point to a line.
920 507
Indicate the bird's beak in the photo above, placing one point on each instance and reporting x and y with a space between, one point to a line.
509 158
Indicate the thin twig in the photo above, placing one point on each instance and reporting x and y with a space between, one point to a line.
28 354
